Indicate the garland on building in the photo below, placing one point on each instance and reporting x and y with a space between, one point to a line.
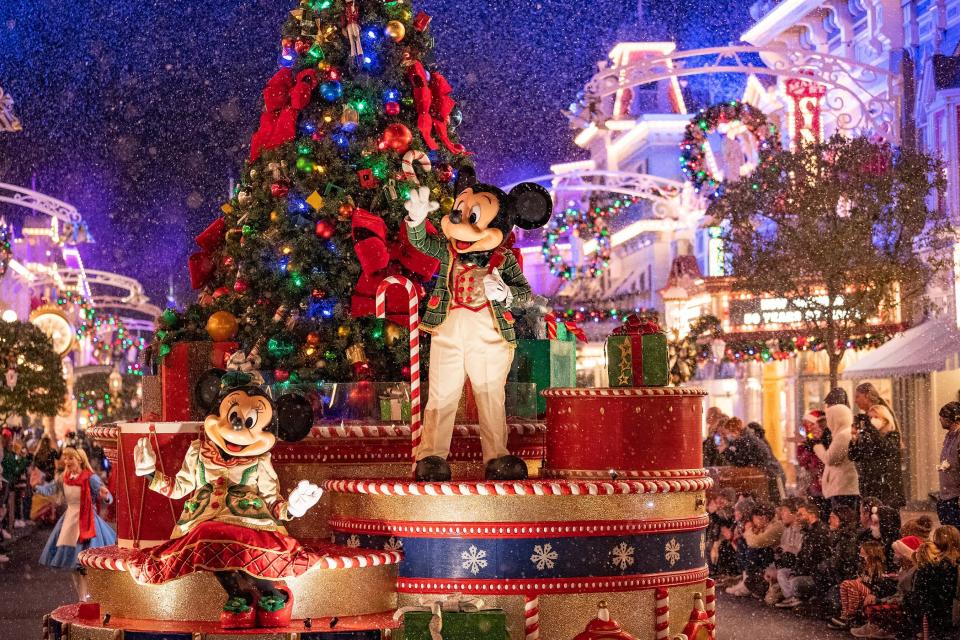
6 250
582 313
787 347
693 147
117 345
592 224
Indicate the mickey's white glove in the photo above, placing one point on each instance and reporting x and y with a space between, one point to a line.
144 459
496 289
304 495
419 206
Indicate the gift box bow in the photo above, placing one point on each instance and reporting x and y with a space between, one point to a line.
396 392
635 325
572 327
453 602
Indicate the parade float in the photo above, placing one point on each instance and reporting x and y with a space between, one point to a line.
298 373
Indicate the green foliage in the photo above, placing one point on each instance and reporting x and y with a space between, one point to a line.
92 391
272 256
40 388
842 227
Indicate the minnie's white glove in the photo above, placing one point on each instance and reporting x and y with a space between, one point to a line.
419 206
496 289
304 495
144 459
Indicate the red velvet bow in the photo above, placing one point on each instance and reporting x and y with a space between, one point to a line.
283 98
201 264
637 325
380 257
572 327
434 106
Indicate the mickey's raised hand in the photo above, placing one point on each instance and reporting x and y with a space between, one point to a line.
419 206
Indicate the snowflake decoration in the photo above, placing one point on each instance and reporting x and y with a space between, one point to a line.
671 552
544 557
353 541
622 555
393 544
474 559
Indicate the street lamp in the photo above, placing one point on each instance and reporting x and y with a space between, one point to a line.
115 382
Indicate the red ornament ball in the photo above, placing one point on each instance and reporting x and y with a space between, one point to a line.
241 286
281 375
397 137
444 172
392 108
228 261
324 230
220 292
405 373
279 189
302 46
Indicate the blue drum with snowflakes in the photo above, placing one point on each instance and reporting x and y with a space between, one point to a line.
554 546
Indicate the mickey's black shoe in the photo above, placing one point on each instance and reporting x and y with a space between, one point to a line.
506 468
432 469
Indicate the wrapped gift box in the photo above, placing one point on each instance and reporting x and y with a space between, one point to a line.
486 624
637 355
547 363
179 372
395 404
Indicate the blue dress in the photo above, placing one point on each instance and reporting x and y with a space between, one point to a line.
62 546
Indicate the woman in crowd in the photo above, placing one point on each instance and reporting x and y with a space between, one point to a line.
871 584
80 527
887 615
875 448
934 588
839 480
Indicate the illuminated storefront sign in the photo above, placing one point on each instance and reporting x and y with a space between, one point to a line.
756 312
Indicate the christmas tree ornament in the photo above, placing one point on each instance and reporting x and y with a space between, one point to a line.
279 347
422 21
244 197
444 172
331 90
281 375
315 200
446 204
313 338
397 137
350 118
351 28
367 179
395 30
346 210
355 353
324 229
222 326
392 108
414 158
279 189
302 46
169 318
274 217
392 332
219 292
343 331
241 285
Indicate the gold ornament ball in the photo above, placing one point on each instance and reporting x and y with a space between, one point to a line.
274 217
343 331
392 332
221 326
395 30
446 204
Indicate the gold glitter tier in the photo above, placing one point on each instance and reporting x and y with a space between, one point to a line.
198 596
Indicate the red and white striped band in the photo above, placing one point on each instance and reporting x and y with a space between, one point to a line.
116 559
673 474
607 392
553 585
523 488
366 430
515 530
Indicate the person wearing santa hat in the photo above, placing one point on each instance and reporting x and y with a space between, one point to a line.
887 613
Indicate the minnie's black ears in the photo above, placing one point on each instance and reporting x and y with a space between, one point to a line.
206 391
532 205
293 415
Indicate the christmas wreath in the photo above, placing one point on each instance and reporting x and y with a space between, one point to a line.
586 225
693 147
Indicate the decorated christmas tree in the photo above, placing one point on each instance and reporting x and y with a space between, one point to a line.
356 115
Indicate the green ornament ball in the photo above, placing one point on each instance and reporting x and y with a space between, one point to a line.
279 347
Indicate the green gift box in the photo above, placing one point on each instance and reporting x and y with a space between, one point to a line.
545 363
395 405
637 355
486 624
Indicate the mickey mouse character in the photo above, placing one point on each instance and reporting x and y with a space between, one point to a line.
469 314
232 522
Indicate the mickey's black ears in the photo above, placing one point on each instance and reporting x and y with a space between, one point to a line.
206 391
466 178
532 205
294 417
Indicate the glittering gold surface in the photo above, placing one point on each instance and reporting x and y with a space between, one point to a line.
564 616
517 508
198 596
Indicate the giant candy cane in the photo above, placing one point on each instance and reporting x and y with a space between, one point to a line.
416 428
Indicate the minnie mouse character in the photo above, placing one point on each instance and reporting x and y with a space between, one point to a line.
469 314
232 523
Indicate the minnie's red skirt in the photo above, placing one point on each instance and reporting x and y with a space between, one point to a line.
217 546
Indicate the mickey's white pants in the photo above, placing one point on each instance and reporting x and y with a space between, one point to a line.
467 345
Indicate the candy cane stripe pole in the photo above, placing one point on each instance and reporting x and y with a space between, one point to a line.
531 616
416 429
662 614
414 157
710 600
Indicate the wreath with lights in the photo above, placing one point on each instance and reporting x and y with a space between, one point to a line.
693 147
685 353
590 224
